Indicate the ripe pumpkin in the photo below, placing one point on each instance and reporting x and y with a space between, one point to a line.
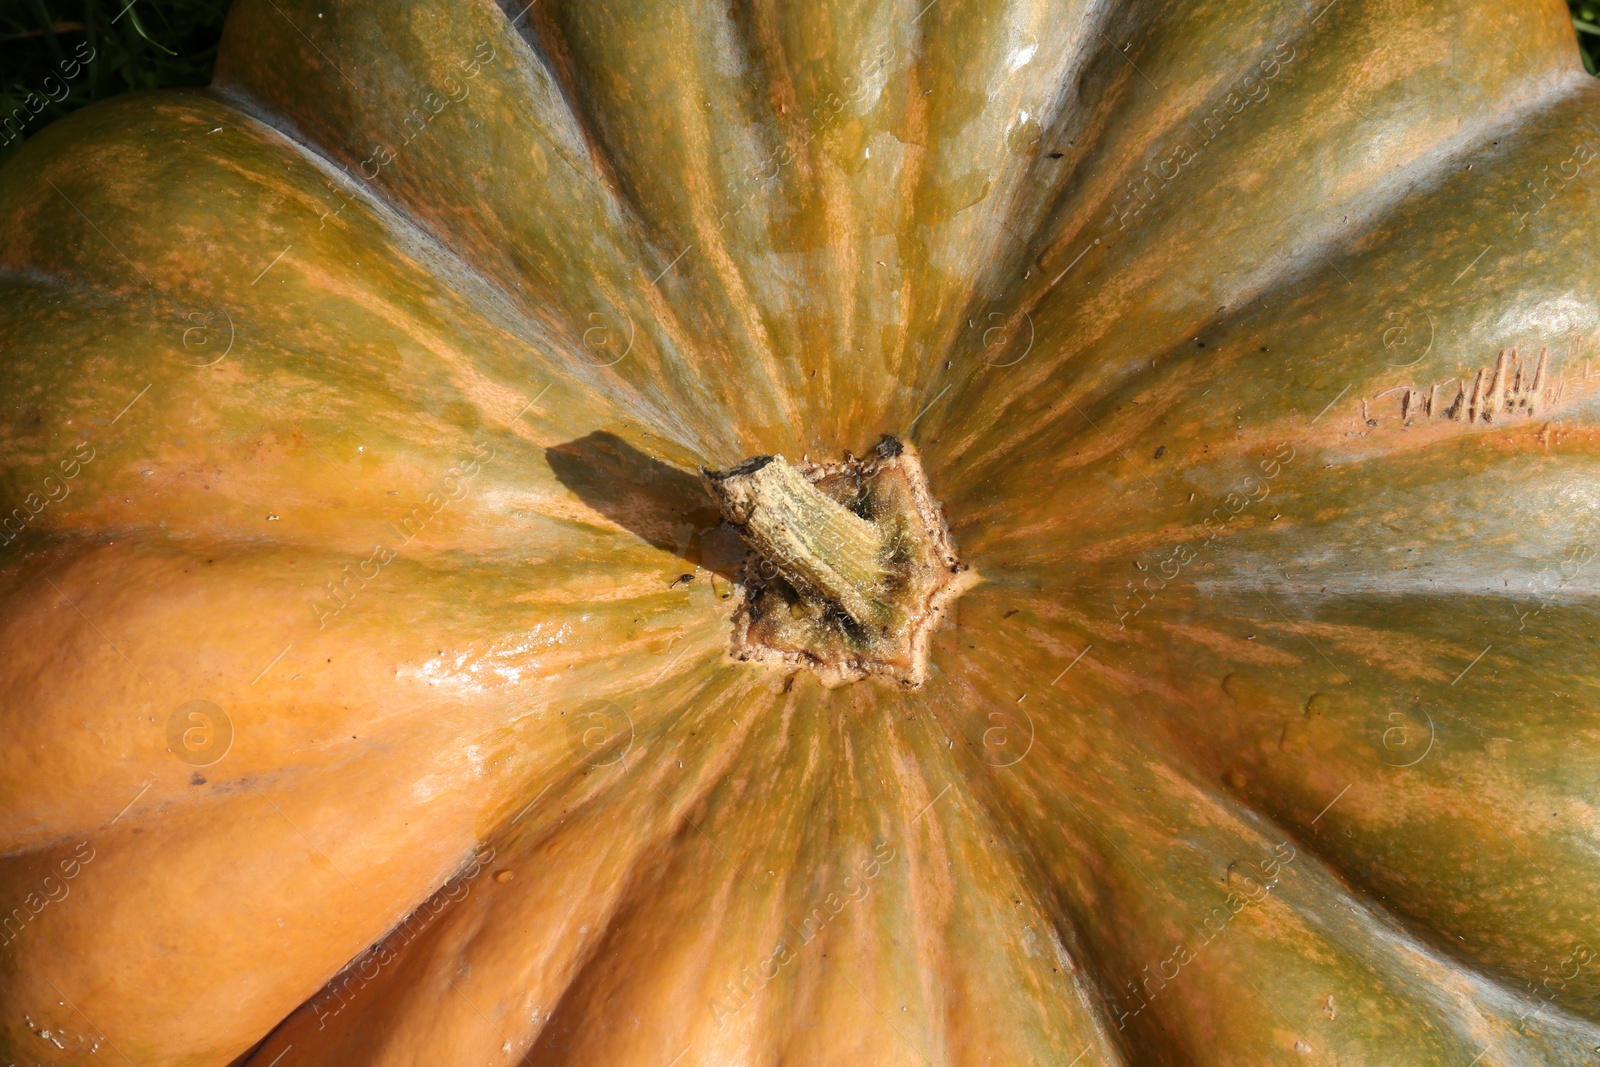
367 617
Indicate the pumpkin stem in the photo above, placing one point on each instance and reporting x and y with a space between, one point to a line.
850 564
821 548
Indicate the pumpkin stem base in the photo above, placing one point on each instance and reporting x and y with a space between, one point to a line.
850 565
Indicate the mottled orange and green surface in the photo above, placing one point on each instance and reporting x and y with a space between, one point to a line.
359 397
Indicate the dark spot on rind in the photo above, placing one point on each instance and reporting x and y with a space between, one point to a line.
749 466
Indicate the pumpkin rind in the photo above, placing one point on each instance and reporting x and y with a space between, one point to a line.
497 355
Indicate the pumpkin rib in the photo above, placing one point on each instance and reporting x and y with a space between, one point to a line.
1034 378
338 864
1371 869
453 1008
496 293
245 83
1413 186
604 147
600 157
509 410
391 220
1493 916
1104 438
1482 1009
371 1025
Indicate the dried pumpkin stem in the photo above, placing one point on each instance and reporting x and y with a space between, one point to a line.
823 549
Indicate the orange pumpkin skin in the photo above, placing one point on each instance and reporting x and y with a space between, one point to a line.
353 405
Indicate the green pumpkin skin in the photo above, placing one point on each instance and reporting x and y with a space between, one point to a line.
1266 737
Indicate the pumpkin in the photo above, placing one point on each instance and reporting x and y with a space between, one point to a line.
373 574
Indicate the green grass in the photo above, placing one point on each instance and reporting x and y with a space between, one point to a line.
1586 20
152 44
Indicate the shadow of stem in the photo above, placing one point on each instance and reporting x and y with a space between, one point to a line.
664 505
